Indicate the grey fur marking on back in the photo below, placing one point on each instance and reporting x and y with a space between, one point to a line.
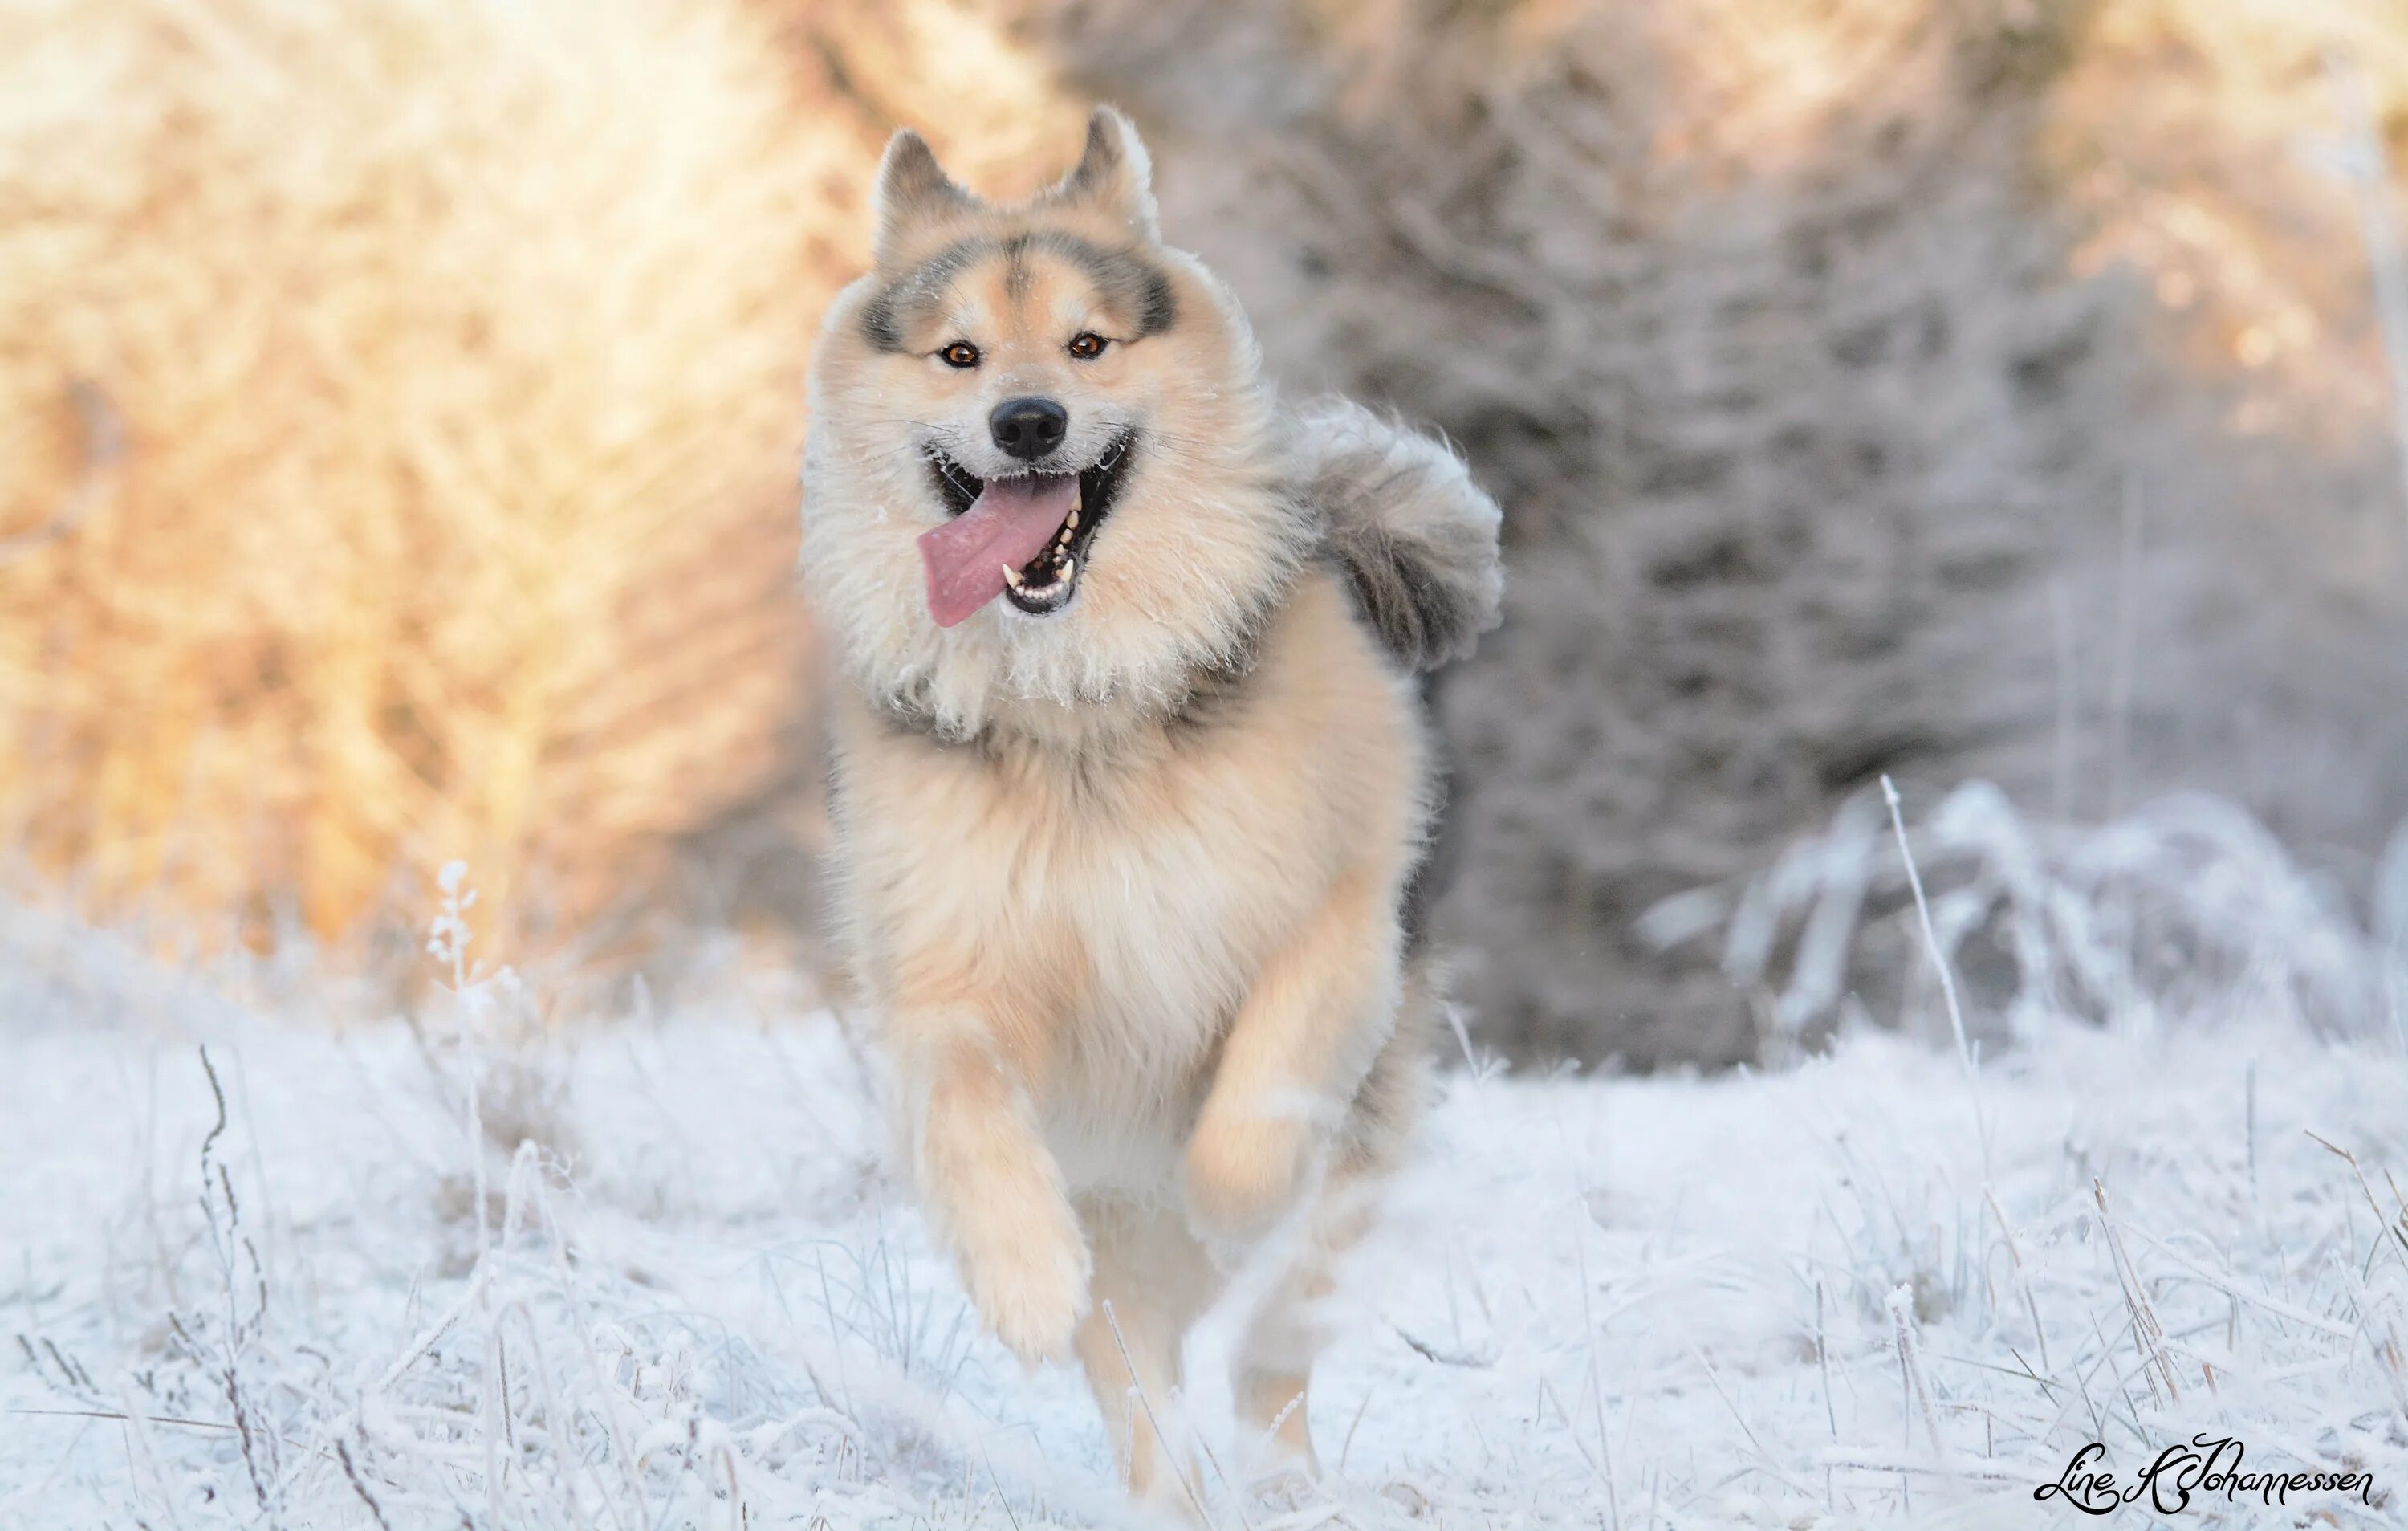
1401 516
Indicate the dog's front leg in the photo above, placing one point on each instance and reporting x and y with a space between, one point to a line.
991 1185
1297 1049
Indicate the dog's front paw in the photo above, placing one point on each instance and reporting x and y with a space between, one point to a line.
1243 1172
1030 1283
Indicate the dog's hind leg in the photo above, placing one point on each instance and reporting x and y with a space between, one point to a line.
1151 1280
1273 1363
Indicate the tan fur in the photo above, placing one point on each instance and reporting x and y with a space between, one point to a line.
1123 882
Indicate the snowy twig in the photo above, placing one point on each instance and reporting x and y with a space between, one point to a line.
1899 1305
2148 1334
1169 1452
1940 961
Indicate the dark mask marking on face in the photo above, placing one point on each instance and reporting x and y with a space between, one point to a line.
917 292
1129 284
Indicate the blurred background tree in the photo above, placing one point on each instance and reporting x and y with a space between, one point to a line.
400 401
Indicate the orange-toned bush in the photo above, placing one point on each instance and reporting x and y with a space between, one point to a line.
400 403
2209 146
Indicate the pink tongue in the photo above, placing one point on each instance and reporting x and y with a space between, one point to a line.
1009 523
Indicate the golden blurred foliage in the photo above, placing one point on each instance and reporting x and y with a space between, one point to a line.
455 353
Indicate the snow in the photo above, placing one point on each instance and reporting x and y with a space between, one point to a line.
697 1299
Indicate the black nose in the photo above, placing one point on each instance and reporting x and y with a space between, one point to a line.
1028 427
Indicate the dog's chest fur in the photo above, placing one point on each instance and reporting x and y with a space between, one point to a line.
1109 907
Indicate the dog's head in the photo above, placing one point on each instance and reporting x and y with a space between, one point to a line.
1038 469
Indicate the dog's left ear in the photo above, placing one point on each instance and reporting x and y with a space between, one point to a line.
1115 174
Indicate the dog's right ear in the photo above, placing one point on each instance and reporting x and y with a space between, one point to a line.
911 188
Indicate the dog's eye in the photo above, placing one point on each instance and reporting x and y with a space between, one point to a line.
1087 345
960 354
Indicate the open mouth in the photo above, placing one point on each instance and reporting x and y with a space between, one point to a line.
1073 505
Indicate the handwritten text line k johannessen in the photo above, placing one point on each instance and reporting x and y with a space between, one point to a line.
2203 1465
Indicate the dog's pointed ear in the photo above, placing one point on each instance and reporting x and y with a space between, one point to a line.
911 188
1115 174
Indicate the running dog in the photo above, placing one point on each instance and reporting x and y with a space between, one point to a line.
1130 779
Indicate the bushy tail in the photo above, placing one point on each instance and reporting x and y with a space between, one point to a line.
1401 514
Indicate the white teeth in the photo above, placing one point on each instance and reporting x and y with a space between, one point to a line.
1052 585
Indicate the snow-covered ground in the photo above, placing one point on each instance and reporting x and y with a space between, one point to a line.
1865 1290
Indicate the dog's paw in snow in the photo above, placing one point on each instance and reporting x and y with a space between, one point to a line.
1030 1284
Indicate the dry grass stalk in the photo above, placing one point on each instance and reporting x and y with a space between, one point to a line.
2148 1334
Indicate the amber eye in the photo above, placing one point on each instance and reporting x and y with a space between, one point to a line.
960 354
1087 345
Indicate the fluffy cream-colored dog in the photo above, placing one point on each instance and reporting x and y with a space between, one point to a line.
1130 780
